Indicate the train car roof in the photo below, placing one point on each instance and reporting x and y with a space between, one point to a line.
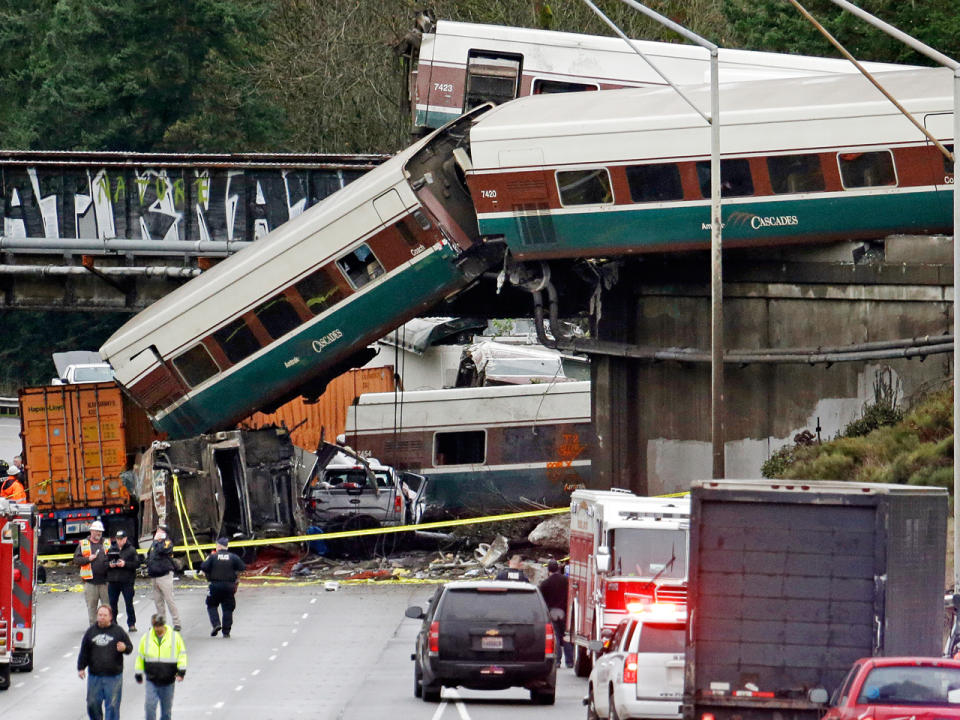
749 114
252 258
736 64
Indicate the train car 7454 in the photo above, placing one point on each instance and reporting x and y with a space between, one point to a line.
298 307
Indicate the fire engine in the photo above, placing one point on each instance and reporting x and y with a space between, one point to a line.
628 554
19 534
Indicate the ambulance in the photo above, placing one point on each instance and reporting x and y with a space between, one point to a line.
627 554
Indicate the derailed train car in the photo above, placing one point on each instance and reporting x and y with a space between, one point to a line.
298 307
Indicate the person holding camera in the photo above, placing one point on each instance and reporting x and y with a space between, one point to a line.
122 563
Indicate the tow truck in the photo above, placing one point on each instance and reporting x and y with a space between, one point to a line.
627 552
19 535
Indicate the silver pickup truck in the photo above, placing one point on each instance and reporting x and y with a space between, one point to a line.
345 491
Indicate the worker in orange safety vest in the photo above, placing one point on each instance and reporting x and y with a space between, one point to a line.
11 487
91 558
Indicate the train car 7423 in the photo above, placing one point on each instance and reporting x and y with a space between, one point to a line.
298 307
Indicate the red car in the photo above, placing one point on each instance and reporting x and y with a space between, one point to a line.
898 688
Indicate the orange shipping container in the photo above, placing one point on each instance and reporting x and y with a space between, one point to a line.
77 439
327 416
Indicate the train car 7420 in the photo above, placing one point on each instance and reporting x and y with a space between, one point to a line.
298 307
802 160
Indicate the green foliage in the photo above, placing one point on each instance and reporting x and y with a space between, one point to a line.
118 74
918 450
776 25
874 416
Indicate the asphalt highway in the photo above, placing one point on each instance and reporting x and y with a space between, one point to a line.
296 651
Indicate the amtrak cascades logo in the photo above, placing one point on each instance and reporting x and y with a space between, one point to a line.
330 337
739 219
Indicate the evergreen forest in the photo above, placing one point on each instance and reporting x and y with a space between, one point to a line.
309 76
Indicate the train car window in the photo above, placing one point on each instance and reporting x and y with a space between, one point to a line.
866 169
735 178
654 183
459 448
319 291
491 77
237 340
584 187
549 87
195 365
796 173
360 266
277 316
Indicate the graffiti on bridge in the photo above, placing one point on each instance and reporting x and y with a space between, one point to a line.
189 203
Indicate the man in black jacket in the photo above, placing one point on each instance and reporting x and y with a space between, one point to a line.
221 568
101 650
554 591
122 562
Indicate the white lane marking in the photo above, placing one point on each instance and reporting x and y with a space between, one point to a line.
439 711
69 654
312 600
218 705
45 669
461 708
256 672
272 657
238 688
19 684
305 616
294 631
284 643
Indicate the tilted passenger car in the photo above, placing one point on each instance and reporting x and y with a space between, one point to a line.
485 635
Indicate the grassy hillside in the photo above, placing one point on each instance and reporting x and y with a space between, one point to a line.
916 448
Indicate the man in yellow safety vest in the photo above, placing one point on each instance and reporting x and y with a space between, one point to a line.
91 558
162 657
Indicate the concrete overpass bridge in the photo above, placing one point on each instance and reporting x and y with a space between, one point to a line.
116 231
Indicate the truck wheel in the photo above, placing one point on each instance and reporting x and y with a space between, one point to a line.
543 697
591 706
417 679
582 662
430 693
612 715
4 676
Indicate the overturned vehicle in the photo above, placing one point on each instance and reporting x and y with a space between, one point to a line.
239 484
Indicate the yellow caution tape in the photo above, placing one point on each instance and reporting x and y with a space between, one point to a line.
367 531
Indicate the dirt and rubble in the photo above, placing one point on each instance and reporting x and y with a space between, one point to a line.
469 552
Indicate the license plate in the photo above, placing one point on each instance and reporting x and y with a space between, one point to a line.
491 643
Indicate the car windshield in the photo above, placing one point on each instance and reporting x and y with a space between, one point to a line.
646 553
911 685
501 606
94 373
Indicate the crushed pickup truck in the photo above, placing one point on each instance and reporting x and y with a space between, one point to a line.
345 491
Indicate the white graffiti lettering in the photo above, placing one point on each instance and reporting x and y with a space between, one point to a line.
330 337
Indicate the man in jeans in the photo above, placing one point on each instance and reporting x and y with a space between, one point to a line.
162 657
91 557
122 562
101 650
160 568
554 591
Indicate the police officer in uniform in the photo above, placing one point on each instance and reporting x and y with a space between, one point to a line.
221 568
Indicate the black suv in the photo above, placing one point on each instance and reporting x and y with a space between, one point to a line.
485 635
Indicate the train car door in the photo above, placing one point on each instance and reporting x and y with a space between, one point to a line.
940 125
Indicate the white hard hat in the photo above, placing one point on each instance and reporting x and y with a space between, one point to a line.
13 470
96 525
